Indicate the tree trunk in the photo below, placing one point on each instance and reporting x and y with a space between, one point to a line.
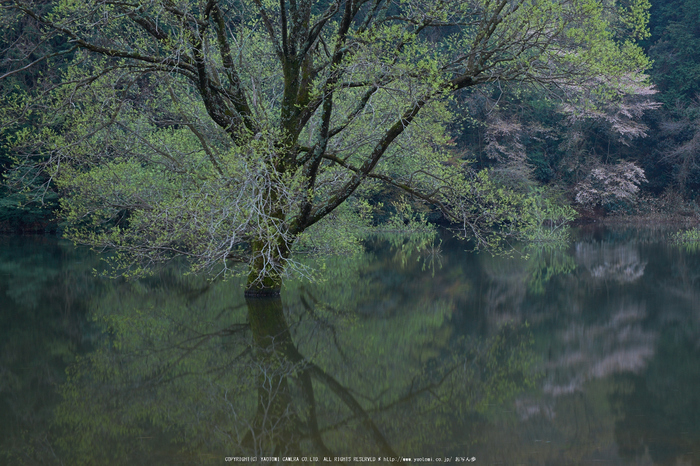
269 253
264 277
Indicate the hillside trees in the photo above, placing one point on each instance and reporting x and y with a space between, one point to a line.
675 49
20 67
526 138
223 130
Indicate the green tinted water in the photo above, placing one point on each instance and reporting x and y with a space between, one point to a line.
579 355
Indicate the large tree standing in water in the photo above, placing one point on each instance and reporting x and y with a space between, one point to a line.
225 129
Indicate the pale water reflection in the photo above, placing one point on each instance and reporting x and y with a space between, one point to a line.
585 354
611 261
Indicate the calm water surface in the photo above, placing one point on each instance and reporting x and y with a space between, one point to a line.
580 355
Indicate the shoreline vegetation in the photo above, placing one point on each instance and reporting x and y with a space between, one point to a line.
665 211
687 214
406 224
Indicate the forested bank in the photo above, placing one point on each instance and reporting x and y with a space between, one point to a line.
593 162
238 131
514 129
651 140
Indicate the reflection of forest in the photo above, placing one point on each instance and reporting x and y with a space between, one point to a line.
388 356
608 329
43 285
610 262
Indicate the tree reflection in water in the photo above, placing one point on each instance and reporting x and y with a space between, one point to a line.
392 354
193 373
279 360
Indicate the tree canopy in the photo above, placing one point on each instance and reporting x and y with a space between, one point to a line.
224 130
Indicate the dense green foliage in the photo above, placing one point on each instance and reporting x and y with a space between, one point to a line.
675 49
225 130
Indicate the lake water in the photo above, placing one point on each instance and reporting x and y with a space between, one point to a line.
586 354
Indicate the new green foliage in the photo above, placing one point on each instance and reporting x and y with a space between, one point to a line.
225 130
